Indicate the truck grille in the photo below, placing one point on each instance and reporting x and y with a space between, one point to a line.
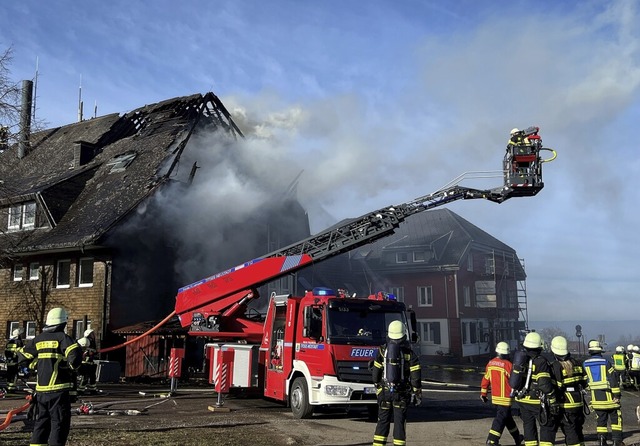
354 371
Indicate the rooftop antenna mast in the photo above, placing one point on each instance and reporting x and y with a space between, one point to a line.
35 91
80 101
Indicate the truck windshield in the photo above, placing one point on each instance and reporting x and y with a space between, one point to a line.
361 323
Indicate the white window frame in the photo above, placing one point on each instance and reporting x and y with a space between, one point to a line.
58 268
18 272
419 257
30 328
466 291
402 257
13 325
425 330
22 216
34 271
82 284
425 296
470 262
397 291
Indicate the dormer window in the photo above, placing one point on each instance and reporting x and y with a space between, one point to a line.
22 216
120 162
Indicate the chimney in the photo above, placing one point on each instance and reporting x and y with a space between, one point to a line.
83 152
25 118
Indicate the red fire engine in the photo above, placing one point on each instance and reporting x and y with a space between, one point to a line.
315 350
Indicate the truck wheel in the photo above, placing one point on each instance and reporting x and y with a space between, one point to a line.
299 399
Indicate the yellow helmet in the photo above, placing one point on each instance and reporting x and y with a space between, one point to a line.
502 348
559 346
396 330
594 346
532 340
56 316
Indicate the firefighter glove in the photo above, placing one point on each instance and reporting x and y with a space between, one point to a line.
416 397
554 407
484 398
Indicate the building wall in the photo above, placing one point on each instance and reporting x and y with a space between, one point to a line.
21 300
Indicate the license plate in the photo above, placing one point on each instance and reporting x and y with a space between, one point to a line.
369 390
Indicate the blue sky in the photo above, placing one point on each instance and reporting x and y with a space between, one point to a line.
380 102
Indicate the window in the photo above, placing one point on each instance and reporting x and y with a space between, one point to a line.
22 216
120 162
18 272
489 265
470 262
34 271
13 325
79 327
425 296
466 290
63 274
419 256
85 273
397 291
430 332
402 257
31 329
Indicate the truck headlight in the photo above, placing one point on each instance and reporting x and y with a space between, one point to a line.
334 390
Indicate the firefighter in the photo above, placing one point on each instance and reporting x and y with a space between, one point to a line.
634 366
568 375
58 356
14 345
603 382
496 377
397 377
620 365
538 389
88 369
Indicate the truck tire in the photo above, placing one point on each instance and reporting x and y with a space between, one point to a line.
299 399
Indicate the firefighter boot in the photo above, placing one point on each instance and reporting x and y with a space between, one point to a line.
618 443
519 440
602 440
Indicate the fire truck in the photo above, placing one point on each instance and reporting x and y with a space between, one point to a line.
316 350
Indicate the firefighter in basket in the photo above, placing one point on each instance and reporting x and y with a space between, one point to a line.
496 378
398 380
14 345
603 383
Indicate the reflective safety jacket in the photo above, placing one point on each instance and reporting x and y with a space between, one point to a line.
57 357
496 377
11 350
603 382
570 388
412 380
541 384
635 362
619 361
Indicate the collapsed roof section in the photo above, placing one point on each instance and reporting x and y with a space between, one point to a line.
86 177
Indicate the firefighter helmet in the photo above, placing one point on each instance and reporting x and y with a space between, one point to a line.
84 342
396 330
514 131
17 332
532 340
636 349
56 316
629 347
620 349
88 332
594 346
502 348
559 346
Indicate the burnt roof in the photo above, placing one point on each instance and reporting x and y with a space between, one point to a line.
82 201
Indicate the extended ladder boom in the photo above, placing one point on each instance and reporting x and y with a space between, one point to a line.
223 293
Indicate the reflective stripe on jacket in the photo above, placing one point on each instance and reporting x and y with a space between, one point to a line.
603 383
496 377
570 387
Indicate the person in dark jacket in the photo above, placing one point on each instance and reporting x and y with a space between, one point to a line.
539 388
397 377
568 375
14 345
57 357
88 369
604 384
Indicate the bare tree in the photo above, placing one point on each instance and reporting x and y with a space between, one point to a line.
9 94
548 333
35 297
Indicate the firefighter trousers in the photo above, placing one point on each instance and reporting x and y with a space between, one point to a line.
12 376
53 420
615 417
570 422
395 410
530 413
503 419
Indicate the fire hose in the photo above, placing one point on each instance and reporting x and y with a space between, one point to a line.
12 412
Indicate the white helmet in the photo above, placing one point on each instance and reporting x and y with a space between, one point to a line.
629 347
56 316
84 342
559 346
88 332
532 340
502 348
619 349
636 349
514 131
595 346
396 330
